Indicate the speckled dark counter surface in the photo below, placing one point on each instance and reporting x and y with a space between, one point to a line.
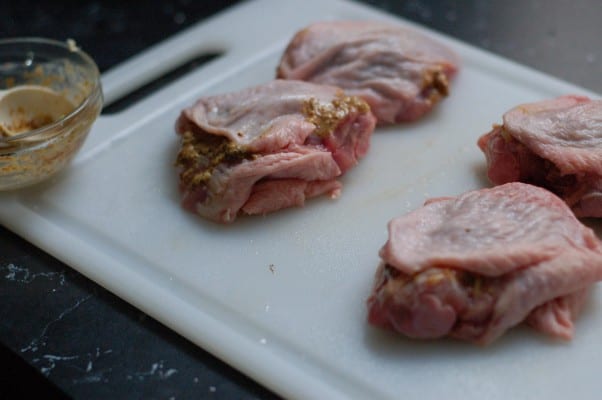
61 330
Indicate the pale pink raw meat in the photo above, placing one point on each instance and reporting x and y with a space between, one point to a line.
555 144
473 266
268 147
400 72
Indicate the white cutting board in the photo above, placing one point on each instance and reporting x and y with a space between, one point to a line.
282 297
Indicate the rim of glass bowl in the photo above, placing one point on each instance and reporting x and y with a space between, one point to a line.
95 92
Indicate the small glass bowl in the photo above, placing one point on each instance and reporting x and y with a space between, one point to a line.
35 155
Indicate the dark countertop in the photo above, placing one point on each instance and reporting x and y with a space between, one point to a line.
64 332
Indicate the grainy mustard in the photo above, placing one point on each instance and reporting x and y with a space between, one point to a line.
327 116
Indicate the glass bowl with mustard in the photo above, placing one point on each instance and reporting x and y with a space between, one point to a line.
50 95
